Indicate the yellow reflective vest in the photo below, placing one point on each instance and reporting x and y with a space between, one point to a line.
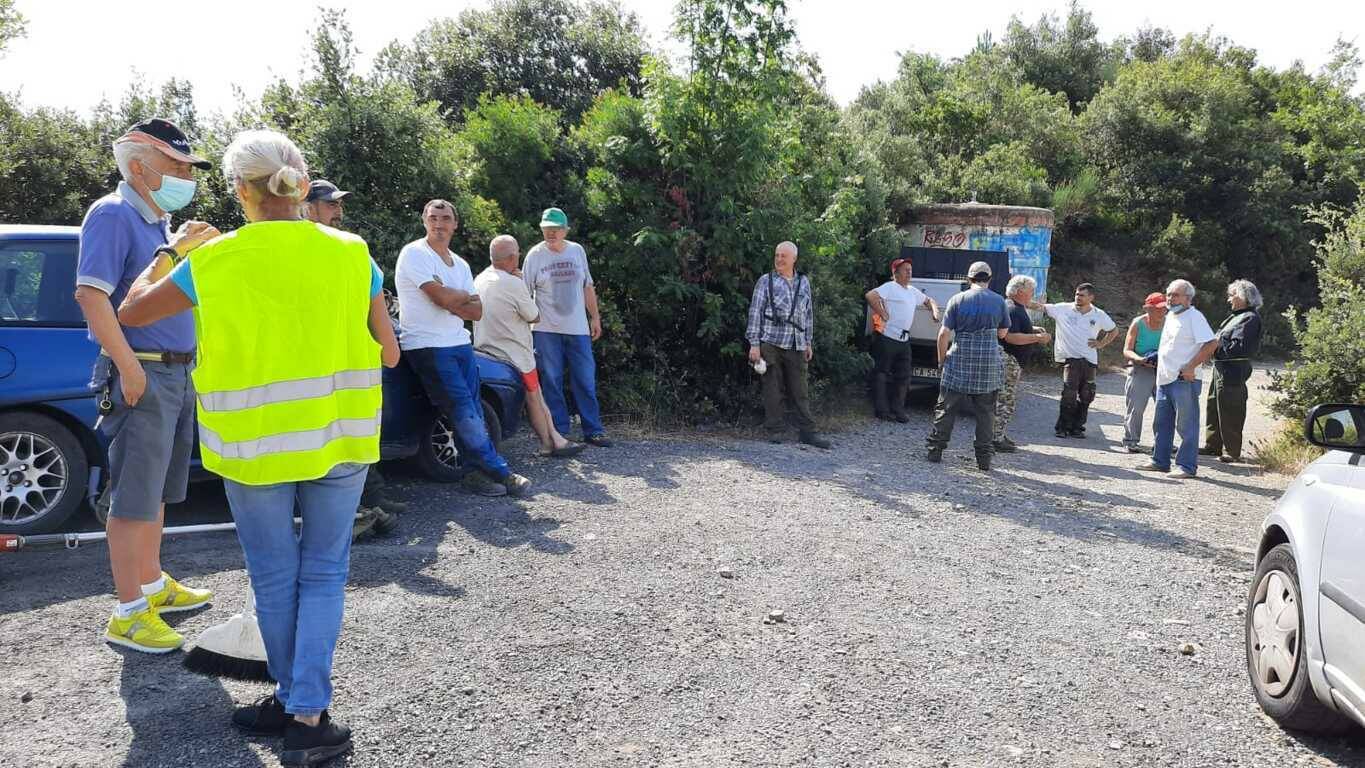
288 376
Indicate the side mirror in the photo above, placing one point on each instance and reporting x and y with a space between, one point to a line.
1338 427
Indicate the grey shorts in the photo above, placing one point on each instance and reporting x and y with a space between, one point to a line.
151 442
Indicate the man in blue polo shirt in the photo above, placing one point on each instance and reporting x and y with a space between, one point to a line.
144 373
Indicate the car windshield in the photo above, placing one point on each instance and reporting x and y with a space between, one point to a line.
37 283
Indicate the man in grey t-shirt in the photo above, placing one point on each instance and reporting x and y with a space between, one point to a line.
556 272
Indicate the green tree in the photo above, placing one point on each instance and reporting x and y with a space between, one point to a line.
559 53
1061 57
13 25
515 155
375 137
52 165
1194 167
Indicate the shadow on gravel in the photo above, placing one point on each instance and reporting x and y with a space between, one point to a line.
1210 475
507 525
178 718
1342 750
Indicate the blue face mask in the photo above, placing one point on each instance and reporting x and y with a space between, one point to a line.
175 193
1178 308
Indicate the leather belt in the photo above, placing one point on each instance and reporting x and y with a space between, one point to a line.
180 358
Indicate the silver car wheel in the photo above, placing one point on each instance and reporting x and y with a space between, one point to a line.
33 476
443 443
1275 632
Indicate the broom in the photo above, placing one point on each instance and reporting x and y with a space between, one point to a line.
232 649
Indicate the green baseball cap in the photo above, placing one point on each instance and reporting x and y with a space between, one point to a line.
553 217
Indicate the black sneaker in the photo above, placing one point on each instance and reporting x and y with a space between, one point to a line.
1078 434
478 483
901 418
264 718
313 744
600 440
935 455
1005 445
810 438
1063 433
983 462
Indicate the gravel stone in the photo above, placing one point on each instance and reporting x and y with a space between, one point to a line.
1015 618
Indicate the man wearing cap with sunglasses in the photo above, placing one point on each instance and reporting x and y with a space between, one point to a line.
143 372
323 203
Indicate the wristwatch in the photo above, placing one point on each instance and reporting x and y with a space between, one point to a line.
170 254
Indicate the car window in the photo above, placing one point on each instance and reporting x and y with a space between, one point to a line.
38 283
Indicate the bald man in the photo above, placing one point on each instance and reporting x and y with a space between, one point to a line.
504 333
780 332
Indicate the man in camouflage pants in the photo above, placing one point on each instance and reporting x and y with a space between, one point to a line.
1016 348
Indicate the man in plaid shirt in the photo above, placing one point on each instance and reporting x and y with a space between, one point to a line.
781 322
973 372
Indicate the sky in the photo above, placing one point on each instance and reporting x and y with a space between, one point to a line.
78 52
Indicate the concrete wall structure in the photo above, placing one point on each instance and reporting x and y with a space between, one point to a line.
1025 233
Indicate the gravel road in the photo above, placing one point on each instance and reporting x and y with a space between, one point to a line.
931 617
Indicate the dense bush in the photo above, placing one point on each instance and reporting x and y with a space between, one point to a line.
1161 158
1330 363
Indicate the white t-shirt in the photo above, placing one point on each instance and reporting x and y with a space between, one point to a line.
1181 338
421 323
1076 329
901 304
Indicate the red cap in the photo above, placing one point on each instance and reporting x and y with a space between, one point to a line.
895 264
1155 299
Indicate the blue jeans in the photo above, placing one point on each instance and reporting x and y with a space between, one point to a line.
451 379
558 354
299 579
1177 410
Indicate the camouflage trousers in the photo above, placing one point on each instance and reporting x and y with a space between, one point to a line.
1008 397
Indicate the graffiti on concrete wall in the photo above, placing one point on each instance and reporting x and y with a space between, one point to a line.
944 237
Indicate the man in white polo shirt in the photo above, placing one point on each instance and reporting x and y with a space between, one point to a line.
895 302
1082 330
435 296
1187 342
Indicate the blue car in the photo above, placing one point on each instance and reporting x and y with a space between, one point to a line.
51 456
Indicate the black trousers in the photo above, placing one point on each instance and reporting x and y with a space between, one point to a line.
945 415
1078 392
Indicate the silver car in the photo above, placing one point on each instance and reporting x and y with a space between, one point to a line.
1305 615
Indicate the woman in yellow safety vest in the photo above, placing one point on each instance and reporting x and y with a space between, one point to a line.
292 330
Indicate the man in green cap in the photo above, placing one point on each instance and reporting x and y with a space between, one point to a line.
556 272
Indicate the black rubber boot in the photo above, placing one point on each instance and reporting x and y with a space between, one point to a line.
879 403
898 392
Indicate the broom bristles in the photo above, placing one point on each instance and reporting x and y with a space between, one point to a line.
214 664
231 649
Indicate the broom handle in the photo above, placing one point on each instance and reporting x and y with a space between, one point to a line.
16 542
